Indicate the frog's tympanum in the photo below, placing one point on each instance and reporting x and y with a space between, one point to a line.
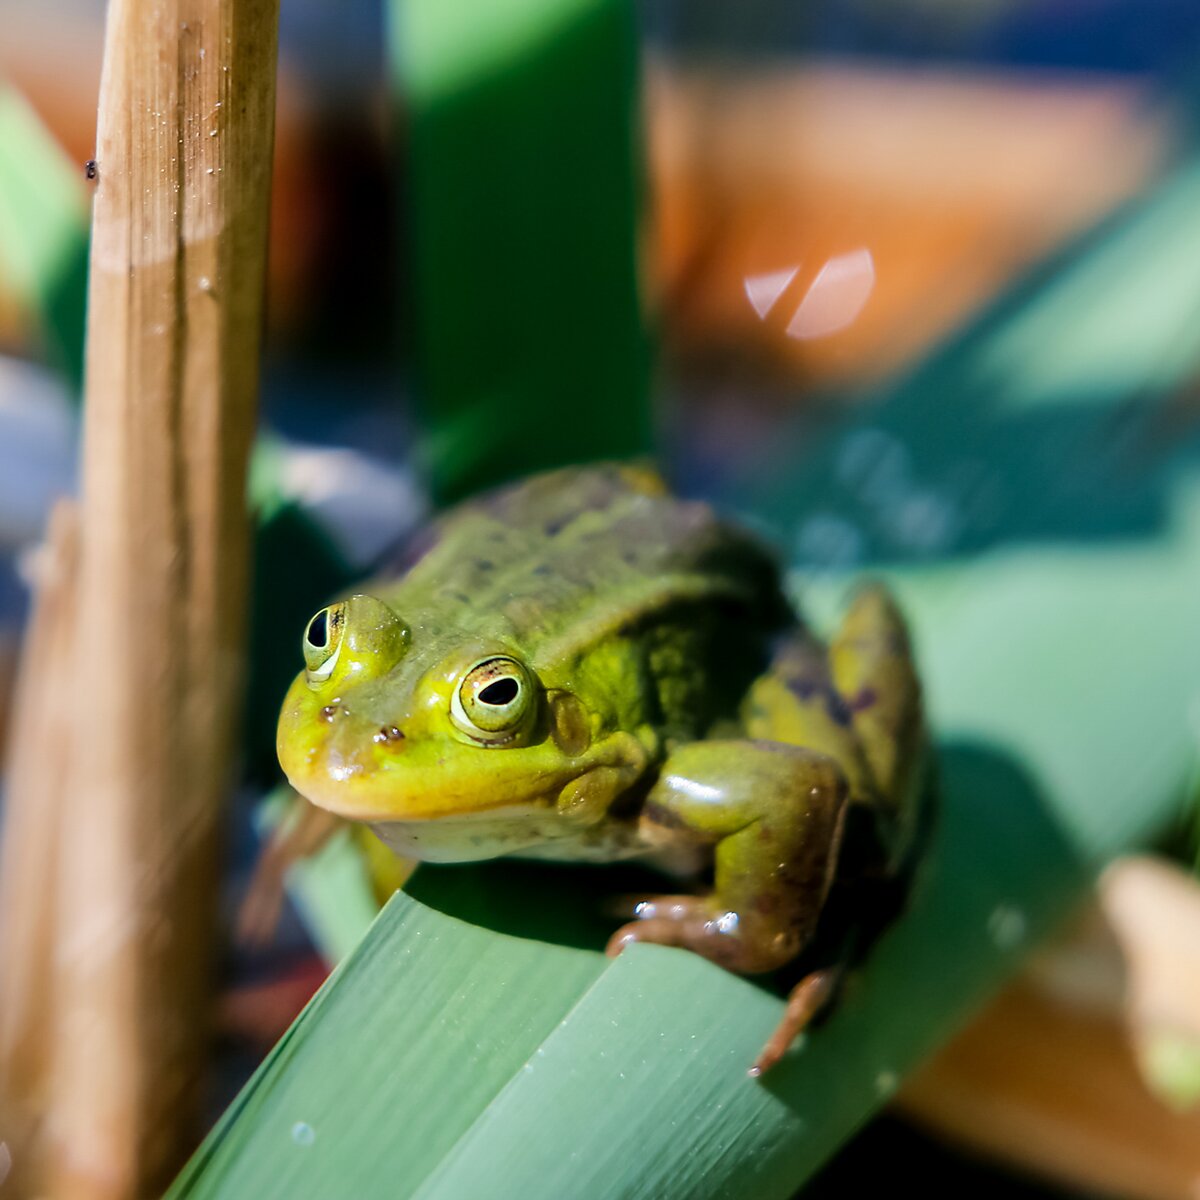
582 666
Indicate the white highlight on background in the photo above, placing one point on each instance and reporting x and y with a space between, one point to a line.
835 297
764 290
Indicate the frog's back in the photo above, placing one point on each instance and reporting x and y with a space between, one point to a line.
563 559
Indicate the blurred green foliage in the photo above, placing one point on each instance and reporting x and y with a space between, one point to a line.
522 173
43 230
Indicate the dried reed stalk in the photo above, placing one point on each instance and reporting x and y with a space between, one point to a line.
33 836
175 311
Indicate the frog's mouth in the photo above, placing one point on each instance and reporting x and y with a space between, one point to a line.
493 793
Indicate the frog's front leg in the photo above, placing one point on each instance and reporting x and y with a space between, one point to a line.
774 814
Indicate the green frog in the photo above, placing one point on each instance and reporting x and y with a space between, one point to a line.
582 666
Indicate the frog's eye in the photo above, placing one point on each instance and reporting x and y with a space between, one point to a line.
323 642
493 700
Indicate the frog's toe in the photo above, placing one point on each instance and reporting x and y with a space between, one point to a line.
807 999
687 934
683 921
630 905
673 908
699 924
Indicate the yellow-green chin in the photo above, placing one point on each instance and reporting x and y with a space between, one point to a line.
424 783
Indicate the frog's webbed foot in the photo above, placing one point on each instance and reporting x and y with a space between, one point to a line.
699 924
302 832
773 814
805 1001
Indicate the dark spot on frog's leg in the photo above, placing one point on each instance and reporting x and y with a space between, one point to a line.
805 688
838 709
865 698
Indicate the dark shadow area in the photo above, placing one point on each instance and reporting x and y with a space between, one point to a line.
867 1166
565 903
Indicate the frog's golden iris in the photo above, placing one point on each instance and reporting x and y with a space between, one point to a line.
583 666
493 701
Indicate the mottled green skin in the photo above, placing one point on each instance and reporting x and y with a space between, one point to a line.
672 701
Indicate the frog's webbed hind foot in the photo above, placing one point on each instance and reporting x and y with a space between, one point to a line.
808 998
692 923
699 924
302 832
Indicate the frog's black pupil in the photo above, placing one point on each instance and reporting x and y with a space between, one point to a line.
503 691
318 629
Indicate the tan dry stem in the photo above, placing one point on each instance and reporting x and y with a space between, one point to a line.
33 836
175 312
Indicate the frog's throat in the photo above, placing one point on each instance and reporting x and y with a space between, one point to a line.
527 830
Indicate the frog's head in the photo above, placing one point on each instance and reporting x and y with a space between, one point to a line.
379 729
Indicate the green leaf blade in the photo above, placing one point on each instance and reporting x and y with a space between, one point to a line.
423 1023
642 1091
524 181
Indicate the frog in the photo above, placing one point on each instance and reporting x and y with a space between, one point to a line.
583 666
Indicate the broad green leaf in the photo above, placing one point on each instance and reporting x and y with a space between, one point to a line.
521 122
320 1117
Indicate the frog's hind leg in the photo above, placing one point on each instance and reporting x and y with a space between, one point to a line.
774 814
797 702
857 701
871 665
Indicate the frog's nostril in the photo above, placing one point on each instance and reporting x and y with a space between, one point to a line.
388 733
